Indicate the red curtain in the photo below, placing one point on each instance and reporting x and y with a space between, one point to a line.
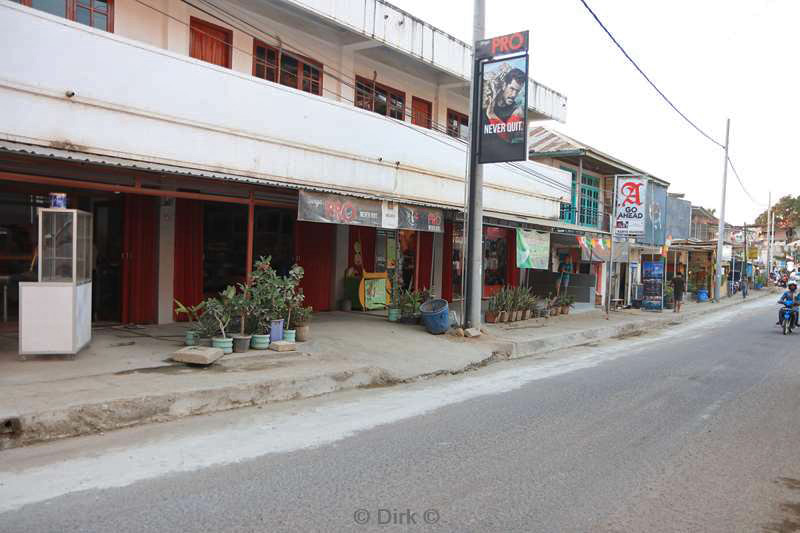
139 254
447 262
366 235
210 43
511 247
188 276
425 259
314 249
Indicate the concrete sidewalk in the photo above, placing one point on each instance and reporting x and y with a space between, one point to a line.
124 378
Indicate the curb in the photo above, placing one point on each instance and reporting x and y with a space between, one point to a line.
31 428
533 347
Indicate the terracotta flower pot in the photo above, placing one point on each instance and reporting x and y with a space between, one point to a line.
491 317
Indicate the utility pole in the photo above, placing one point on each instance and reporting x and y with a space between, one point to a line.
744 267
769 240
721 227
474 219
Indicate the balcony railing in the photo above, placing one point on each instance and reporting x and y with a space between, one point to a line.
195 115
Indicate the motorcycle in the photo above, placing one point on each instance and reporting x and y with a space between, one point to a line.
788 316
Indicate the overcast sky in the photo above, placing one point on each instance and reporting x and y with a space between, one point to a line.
713 58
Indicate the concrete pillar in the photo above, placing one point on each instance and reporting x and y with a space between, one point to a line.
166 259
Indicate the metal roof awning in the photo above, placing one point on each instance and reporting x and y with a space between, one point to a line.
175 170
542 224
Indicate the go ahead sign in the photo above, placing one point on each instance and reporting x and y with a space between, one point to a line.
631 197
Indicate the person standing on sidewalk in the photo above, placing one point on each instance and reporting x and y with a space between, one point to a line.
678 288
564 271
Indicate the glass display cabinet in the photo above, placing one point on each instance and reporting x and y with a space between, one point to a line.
55 315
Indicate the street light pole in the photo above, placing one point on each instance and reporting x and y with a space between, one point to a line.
474 219
721 227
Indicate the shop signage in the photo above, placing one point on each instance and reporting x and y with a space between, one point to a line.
504 110
338 209
513 43
421 218
631 194
533 249
389 214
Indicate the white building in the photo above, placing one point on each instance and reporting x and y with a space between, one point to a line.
191 129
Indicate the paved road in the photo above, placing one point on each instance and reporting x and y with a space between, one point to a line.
693 430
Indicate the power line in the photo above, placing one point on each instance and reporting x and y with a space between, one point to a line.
669 102
741 183
646 77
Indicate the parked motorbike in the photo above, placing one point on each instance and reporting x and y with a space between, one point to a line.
788 316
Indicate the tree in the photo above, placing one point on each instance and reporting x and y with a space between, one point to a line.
786 211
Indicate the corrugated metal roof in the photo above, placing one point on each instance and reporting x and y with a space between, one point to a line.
160 168
546 141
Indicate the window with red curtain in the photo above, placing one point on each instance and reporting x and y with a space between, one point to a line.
95 13
188 275
210 42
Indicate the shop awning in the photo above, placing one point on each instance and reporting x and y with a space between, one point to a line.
64 154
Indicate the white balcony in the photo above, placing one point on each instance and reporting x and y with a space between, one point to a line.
394 37
143 103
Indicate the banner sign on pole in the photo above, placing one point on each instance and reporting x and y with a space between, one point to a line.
631 213
513 43
504 111
533 249
337 209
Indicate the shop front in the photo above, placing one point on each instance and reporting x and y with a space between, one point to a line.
388 248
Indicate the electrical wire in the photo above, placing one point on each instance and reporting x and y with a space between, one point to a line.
646 77
741 183
667 100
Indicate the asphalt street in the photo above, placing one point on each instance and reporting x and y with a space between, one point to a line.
694 429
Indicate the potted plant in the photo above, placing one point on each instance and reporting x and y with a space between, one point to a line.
263 287
530 305
566 302
409 306
292 298
301 323
522 302
491 310
669 297
502 311
221 310
555 307
193 314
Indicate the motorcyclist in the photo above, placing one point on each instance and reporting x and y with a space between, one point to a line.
790 295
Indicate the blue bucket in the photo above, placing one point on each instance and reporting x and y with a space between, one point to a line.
435 316
702 295
276 330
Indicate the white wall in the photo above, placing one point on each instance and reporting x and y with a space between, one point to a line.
140 102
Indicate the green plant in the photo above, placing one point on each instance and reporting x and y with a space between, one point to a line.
566 300
192 312
301 317
292 298
221 309
492 304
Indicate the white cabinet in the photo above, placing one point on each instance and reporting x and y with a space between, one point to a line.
55 315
